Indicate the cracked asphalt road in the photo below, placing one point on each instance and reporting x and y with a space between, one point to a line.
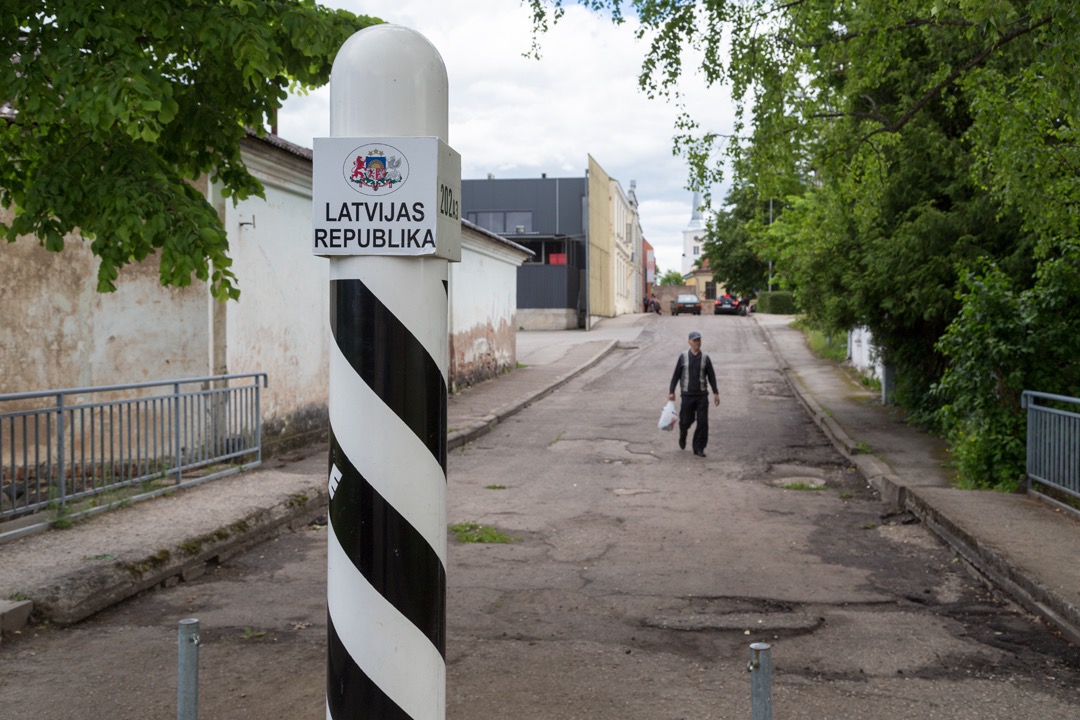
638 578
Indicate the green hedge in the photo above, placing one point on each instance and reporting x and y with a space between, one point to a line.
776 303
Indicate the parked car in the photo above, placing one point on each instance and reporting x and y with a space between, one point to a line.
726 305
686 304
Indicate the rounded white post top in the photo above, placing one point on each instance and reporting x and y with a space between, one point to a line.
389 80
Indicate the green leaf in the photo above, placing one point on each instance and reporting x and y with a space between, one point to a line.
121 106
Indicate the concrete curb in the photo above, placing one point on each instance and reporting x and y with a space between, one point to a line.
14 615
1003 573
78 595
486 424
996 568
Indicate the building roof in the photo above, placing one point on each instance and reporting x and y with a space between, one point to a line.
281 144
496 237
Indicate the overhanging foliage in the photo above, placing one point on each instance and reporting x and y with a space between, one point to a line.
113 110
922 161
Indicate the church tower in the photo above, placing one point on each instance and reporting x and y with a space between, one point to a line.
693 237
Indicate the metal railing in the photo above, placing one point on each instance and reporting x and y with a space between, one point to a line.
1053 444
61 446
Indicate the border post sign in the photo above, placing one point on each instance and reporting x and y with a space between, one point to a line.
385 193
386 196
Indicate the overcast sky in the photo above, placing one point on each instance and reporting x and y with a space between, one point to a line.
516 117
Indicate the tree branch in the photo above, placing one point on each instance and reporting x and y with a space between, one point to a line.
975 61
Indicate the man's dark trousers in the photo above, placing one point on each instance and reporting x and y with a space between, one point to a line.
694 410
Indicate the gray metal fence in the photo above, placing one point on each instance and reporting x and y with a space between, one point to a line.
58 447
1053 444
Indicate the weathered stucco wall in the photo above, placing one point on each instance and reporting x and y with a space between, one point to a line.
483 303
280 324
547 319
57 331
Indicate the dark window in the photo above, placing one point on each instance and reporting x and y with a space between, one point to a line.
520 221
492 221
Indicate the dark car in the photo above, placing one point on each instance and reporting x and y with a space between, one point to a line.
686 304
726 305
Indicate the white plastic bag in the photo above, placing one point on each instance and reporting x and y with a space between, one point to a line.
668 417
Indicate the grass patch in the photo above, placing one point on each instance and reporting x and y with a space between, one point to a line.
870 383
802 486
833 347
250 634
471 532
62 522
494 487
827 345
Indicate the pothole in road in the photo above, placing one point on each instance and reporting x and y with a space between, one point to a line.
743 615
749 623
795 469
798 482
771 389
796 476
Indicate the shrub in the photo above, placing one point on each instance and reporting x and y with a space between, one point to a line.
779 302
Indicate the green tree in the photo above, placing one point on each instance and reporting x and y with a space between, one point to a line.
729 246
112 110
671 277
934 143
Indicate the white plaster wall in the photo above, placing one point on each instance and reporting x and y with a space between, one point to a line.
280 324
56 331
483 307
861 353
622 216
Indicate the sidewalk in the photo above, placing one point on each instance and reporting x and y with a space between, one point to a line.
1027 547
66 576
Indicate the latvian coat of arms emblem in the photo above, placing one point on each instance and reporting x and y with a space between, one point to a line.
376 170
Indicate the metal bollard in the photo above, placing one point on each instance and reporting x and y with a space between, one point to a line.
187 677
760 667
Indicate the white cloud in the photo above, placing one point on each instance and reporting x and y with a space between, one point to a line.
514 116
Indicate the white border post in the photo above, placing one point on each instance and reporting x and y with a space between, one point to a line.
385 212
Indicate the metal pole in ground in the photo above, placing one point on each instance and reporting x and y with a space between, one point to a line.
760 667
385 194
187 674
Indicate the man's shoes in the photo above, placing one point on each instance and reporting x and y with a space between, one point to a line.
699 453
682 441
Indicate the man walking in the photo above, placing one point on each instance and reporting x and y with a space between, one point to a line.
692 371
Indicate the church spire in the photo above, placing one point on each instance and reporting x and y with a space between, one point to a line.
696 220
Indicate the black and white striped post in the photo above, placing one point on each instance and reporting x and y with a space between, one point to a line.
385 189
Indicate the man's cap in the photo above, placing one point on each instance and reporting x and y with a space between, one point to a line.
695 335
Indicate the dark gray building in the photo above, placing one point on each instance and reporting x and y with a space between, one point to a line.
550 217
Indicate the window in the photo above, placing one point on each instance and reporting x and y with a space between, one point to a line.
520 220
492 221
697 250
501 222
